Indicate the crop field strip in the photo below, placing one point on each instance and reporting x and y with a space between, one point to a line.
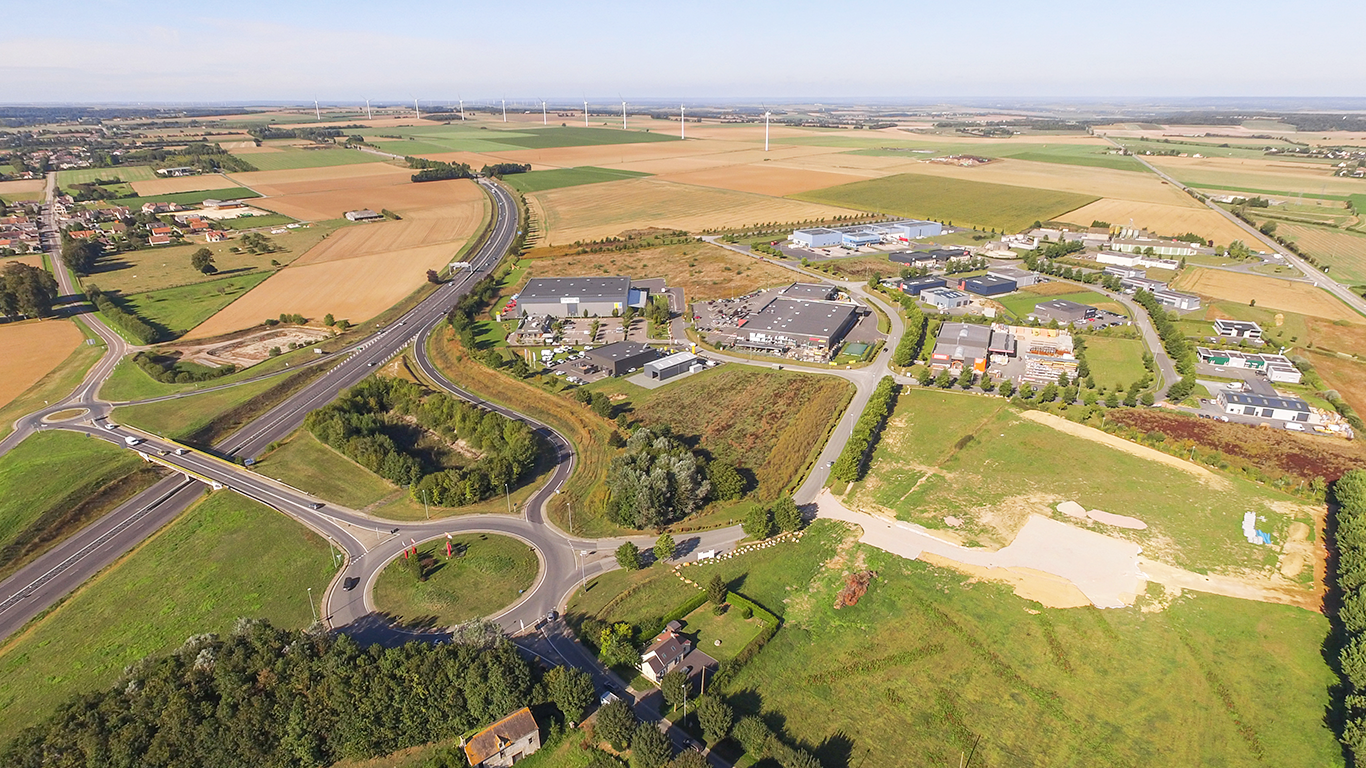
539 181
1286 178
181 184
90 175
1170 220
1345 251
290 159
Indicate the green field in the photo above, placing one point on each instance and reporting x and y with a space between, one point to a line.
226 558
569 136
426 140
180 309
19 197
189 198
1277 192
182 417
310 466
43 483
957 201
929 661
90 175
539 181
487 575
1115 361
770 423
1073 154
1021 304
290 158
976 458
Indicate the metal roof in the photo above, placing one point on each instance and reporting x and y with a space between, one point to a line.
1262 401
584 288
797 318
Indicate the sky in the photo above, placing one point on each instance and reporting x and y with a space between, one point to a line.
153 51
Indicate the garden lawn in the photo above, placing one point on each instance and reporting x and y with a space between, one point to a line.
227 557
538 181
704 628
1115 361
490 574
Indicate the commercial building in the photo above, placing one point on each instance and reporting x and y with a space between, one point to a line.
987 285
1137 260
506 742
1276 367
579 296
856 239
968 345
914 229
1123 272
1021 277
1237 329
945 298
786 323
622 357
817 237
813 291
666 368
1160 248
866 234
914 286
937 258
1181 302
1063 311
1048 353
1262 406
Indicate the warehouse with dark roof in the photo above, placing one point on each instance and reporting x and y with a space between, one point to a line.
786 323
579 296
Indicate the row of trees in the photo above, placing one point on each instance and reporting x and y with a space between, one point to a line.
436 170
908 348
128 322
26 291
263 696
852 460
503 169
1350 493
166 369
1174 341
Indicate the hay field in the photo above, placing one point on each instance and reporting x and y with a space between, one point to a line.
702 270
613 155
446 223
297 181
1164 219
762 179
32 349
1269 292
89 175
601 210
355 289
176 185
395 193
1344 251
1274 175
24 189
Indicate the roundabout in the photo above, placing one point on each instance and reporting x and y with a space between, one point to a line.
456 579
66 414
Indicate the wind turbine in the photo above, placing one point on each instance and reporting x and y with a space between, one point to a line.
766 116
317 111
415 109
505 110
368 115
585 113
462 110
623 115
682 122
543 120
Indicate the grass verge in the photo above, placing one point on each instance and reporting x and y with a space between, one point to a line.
487 574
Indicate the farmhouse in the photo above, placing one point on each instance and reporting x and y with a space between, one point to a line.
506 742
364 214
945 298
666 368
1063 311
1182 302
915 286
665 652
622 357
1237 329
1280 408
987 285
579 296
1022 277
214 236
786 323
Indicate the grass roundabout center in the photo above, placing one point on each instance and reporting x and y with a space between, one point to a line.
484 573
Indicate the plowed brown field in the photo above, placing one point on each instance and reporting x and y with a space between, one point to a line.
395 193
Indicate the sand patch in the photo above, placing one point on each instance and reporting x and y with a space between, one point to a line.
31 350
1133 449
1044 588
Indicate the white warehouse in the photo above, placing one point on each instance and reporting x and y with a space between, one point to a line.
902 231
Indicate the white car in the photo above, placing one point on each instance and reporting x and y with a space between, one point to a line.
1294 426
111 426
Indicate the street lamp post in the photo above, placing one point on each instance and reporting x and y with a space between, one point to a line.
508 494
313 610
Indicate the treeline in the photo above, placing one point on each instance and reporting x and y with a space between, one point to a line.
80 255
908 348
165 369
1174 341
504 169
1350 493
655 481
264 696
128 322
361 425
208 158
321 135
26 291
853 459
435 170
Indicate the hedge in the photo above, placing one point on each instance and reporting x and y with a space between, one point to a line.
1350 493
135 326
854 458
908 349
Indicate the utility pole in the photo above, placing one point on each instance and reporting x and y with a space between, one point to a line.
313 610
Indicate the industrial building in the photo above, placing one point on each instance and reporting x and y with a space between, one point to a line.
1181 302
1160 247
1139 283
968 345
914 286
666 368
622 357
987 285
1276 367
857 239
1262 406
579 296
1063 311
1021 277
945 298
937 258
1237 329
1048 353
786 323
1123 272
816 237
812 291
866 234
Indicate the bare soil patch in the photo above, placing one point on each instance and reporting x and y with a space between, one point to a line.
1044 588
250 349
31 350
1268 292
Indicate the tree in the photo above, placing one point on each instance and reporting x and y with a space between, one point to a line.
664 547
689 758
716 717
572 691
1112 400
649 747
758 524
674 686
628 556
415 566
433 276
945 379
785 514
202 260
601 405
27 291
615 648
616 724
726 481
753 736
79 255
1007 388
717 590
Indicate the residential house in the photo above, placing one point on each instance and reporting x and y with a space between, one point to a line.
665 652
159 240
506 742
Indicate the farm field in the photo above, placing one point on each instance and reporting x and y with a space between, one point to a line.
424 140
603 210
324 179
762 179
539 181
1285 177
376 192
193 197
952 200
976 458
768 423
1344 251
25 189
1115 361
486 576
179 309
702 270
1091 155
90 175
32 349
930 661
288 159
1171 220
57 384
1022 304
1348 377
633 157
183 184
229 557
1268 292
